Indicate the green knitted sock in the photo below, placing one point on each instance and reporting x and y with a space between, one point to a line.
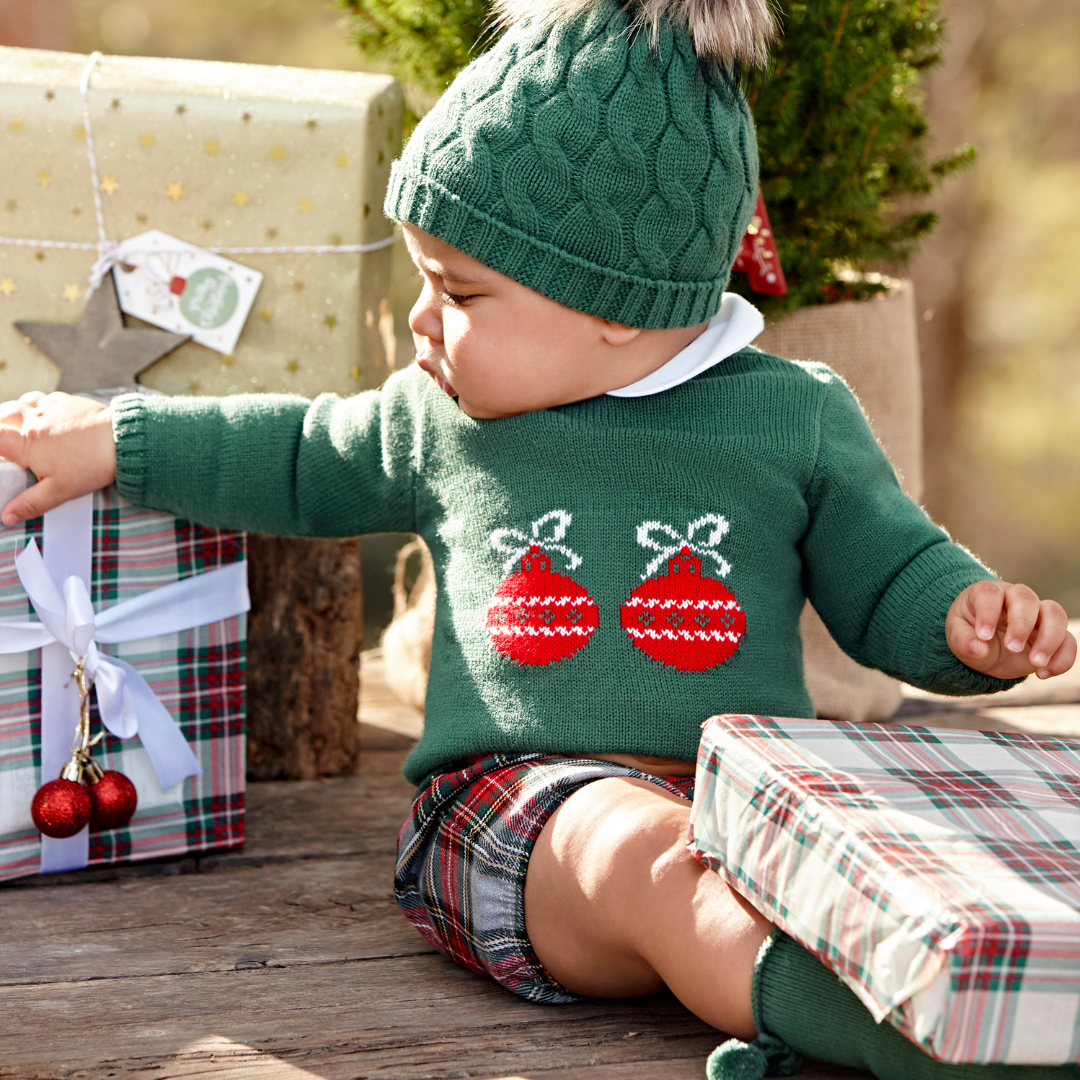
801 1007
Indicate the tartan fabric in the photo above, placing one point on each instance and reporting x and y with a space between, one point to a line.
198 675
937 872
464 851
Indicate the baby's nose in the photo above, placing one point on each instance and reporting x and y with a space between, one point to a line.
424 320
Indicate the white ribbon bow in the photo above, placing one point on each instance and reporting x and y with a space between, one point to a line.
127 705
522 543
673 543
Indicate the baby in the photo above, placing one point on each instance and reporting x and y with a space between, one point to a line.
587 434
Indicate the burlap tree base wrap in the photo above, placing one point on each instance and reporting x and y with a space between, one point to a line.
873 345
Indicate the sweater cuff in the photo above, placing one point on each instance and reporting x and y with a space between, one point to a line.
130 423
914 608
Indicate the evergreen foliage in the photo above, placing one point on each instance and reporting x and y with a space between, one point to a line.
842 139
840 129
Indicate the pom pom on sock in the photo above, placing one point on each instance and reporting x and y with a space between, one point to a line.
765 1056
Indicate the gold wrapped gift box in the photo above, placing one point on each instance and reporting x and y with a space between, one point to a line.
219 155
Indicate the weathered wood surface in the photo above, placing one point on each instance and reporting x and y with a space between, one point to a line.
289 960
305 632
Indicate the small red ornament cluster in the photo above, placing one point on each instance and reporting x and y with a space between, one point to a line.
62 807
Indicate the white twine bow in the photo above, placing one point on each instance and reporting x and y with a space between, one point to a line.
672 543
127 705
108 251
516 544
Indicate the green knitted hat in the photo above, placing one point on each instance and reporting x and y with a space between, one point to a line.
597 157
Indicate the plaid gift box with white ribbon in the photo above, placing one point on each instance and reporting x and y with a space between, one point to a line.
937 872
182 649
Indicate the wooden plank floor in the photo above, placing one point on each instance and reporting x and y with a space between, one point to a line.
289 959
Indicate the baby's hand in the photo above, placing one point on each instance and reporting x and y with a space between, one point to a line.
65 441
1007 631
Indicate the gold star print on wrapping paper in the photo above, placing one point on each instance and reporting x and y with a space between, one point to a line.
99 350
7 285
109 185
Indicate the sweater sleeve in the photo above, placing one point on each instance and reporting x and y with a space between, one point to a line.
880 573
274 463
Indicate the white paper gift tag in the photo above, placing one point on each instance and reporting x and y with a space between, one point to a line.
187 289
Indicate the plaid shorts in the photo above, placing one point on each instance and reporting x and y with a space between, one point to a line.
464 851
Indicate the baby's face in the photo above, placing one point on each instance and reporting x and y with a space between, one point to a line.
502 349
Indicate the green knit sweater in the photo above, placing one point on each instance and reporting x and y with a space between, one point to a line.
611 572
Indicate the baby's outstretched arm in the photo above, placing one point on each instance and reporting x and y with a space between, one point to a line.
1006 631
65 441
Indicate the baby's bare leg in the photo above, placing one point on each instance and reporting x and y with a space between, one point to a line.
615 906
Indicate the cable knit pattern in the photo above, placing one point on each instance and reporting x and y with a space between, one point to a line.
612 177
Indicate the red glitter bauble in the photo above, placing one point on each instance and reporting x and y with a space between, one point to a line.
60 808
113 800
684 619
538 616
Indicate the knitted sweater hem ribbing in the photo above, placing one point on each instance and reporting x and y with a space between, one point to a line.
129 435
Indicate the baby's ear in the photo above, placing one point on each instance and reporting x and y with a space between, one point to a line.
616 334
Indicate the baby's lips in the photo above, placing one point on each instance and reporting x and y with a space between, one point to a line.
425 365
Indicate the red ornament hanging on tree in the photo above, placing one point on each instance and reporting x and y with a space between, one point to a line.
684 618
538 616
758 256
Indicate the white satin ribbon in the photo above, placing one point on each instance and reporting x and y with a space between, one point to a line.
672 543
70 631
515 544
732 328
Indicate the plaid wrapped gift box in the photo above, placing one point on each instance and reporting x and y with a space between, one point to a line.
197 674
937 872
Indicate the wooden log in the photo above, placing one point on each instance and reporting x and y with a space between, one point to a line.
305 631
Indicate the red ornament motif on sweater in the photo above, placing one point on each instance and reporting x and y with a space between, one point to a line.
538 616
684 618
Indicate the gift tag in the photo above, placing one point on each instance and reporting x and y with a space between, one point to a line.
180 287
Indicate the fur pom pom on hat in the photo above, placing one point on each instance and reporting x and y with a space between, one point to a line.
729 31
612 173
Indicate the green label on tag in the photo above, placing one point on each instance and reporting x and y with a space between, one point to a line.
209 298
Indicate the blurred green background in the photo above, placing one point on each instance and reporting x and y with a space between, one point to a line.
998 285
